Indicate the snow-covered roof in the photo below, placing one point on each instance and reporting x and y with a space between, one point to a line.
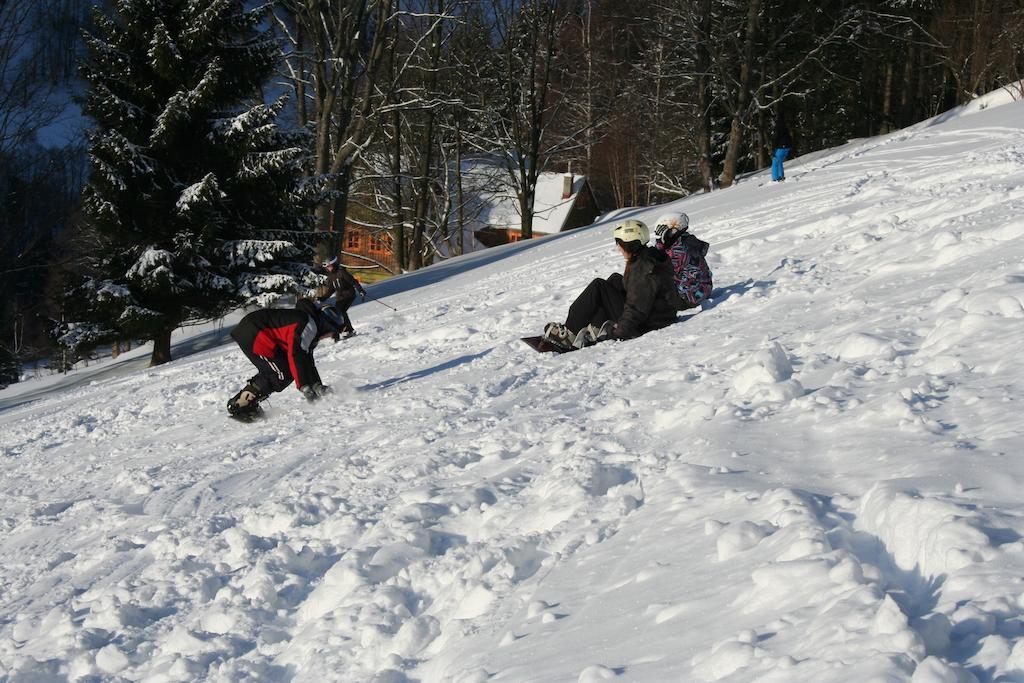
497 205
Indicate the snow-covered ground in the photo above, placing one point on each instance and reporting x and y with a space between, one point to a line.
817 478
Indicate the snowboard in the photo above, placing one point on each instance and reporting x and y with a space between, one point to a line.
538 344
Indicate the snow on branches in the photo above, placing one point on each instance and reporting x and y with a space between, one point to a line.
182 106
263 163
164 55
204 193
256 122
108 291
79 338
254 253
264 289
151 264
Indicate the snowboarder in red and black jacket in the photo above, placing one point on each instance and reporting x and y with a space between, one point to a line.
280 343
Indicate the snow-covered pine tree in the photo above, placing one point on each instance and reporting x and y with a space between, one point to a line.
189 170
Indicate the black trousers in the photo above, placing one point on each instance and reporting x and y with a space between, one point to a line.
341 304
603 299
274 374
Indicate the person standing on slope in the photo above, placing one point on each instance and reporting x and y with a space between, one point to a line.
280 343
782 142
343 286
621 306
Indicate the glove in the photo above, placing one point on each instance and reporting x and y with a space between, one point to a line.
312 392
667 236
363 294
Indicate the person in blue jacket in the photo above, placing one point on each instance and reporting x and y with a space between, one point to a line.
782 142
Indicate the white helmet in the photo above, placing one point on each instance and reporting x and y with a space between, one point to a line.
674 221
632 230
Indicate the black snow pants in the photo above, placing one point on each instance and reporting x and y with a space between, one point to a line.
274 374
341 304
603 299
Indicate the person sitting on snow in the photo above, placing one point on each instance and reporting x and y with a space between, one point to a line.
687 253
280 343
343 286
621 306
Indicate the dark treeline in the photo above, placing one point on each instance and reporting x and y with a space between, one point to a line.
652 99
689 91
41 170
364 112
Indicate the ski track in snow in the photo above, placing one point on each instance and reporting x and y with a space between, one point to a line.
812 480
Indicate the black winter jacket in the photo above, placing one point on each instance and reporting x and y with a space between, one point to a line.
341 284
289 334
782 137
649 292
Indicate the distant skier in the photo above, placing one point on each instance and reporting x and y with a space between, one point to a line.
343 287
782 142
280 343
621 306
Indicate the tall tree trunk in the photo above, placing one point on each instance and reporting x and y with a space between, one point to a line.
979 53
873 112
888 122
426 146
422 193
704 96
339 208
526 207
589 93
161 348
763 140
460 208
397 220
742 100
299 83
907 87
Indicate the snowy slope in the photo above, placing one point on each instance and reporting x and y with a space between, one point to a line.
815 479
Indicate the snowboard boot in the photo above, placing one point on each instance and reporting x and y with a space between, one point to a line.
560 336
592 334
246 403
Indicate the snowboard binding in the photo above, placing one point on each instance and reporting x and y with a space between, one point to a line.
245 405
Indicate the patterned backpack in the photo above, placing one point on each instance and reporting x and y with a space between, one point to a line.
690 270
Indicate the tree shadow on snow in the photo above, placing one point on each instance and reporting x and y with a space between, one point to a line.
420 374
129 363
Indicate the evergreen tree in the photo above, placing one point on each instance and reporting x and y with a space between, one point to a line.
10 367
189 171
